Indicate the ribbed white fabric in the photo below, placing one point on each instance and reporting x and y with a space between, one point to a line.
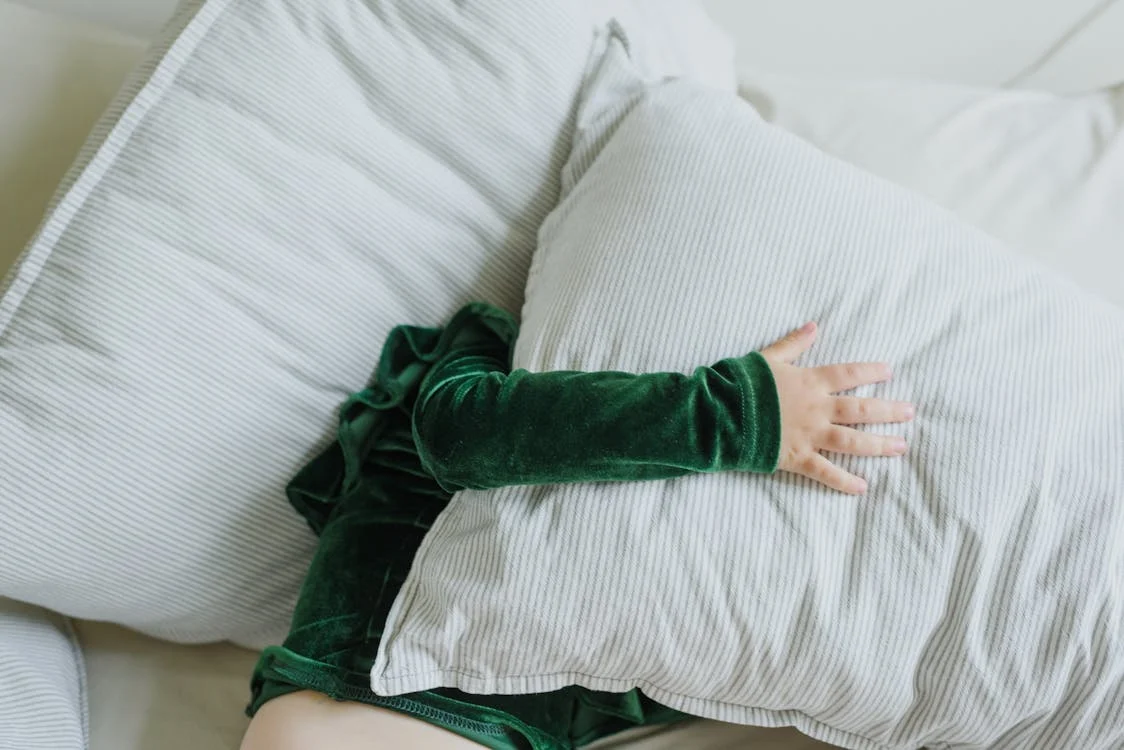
281 184
974 599
42 681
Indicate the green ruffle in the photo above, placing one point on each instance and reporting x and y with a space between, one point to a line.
371 501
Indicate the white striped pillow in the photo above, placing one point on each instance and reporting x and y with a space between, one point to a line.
281 183
974 599
42 681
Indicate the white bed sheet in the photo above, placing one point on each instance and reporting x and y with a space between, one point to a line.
1043 171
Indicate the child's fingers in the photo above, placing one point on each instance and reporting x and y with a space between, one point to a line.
852 442
845 377
851 410
793 345
825 472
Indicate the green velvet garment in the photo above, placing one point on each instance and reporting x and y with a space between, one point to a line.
443 413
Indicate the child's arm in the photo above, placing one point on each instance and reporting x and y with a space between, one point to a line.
478 426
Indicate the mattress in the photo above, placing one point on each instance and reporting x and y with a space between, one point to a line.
1044 171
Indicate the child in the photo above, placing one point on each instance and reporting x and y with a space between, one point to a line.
445 413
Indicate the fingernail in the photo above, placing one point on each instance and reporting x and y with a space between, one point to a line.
898 446
859 486
808 327
910 411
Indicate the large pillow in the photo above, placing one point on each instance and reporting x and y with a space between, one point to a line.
280 184
42 681
972 599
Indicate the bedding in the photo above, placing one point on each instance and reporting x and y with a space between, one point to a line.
42 681
954 144
149 695
1042 172
278 184
972 600
1066 48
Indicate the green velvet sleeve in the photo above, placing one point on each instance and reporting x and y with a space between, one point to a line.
478 426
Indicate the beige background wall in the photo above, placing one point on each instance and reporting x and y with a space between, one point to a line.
55 80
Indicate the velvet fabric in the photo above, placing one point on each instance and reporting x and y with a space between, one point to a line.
442 414
479 426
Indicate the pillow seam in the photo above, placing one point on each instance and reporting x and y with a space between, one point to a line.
79 654
40 249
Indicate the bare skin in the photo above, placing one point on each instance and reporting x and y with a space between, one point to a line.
310 721
813 419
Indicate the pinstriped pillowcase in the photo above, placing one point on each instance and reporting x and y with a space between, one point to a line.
279 185
42 681
975 597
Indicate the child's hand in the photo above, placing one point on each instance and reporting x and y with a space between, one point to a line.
812 418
